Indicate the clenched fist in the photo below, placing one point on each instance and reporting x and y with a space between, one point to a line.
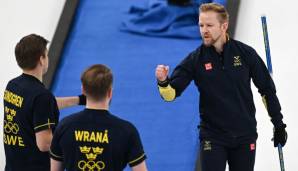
161 72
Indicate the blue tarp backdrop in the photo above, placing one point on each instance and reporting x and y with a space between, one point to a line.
158 18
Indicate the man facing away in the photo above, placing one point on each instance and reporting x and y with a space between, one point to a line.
222 70
94 139
30 110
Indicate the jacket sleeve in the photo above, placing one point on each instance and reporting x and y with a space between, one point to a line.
263 81
179 80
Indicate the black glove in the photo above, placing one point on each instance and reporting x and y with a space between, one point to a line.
280 135
82 99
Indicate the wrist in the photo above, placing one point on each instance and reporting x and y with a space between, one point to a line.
164 83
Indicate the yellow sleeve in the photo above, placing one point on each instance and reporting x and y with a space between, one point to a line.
168 93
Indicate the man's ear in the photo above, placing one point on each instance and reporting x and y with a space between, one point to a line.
225 26
110 93
42 60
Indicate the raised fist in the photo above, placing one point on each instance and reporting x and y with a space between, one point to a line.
161 72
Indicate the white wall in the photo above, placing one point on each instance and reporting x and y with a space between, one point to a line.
19 18
282 27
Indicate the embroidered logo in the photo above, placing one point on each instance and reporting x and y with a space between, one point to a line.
91 164
252 147
208 66
207 145
237 61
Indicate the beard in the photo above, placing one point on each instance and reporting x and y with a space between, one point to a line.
210 40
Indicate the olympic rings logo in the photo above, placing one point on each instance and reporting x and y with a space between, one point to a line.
91 165
10 127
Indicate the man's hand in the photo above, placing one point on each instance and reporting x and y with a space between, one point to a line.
280 135
161 72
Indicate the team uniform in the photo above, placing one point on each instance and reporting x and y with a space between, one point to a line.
228 124
28 108
96 140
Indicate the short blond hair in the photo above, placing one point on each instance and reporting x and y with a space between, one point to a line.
223 15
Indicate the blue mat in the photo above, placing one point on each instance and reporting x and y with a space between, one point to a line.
168 130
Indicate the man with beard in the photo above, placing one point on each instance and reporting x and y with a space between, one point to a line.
222 70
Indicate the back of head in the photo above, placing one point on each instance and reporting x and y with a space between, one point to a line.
223 15
97 81
29 50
